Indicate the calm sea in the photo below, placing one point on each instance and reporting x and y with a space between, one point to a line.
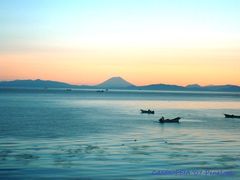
91 135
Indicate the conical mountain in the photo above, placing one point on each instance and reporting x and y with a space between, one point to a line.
115 82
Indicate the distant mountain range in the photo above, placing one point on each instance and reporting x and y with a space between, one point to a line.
116 83
35 84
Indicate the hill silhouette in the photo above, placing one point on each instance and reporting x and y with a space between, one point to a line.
116 83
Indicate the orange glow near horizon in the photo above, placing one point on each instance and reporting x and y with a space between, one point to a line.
138 66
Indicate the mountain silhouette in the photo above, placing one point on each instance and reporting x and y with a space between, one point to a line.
115 82
38 83
163 87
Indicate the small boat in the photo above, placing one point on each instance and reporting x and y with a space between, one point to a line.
101 91
147 111
174 120
68 89
231 116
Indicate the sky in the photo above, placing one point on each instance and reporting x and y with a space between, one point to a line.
144 41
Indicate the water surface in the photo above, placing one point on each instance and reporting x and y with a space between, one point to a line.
86 134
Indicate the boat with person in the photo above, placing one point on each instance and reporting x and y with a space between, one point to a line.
147 111
231 116
174 120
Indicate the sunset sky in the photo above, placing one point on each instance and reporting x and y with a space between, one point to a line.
144 41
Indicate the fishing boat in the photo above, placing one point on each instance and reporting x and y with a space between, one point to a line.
174 120
100 91
147 111
231 116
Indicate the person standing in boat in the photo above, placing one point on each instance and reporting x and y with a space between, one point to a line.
161 119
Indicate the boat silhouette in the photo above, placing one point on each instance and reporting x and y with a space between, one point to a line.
147 111
231 116
174 120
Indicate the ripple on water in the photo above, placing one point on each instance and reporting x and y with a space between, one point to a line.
26 156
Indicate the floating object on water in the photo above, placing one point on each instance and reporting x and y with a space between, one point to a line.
101 91
174 120
231 116
147 111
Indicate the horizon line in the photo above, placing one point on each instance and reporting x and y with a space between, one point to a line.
123 79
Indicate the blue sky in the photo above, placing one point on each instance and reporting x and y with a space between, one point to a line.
54 23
